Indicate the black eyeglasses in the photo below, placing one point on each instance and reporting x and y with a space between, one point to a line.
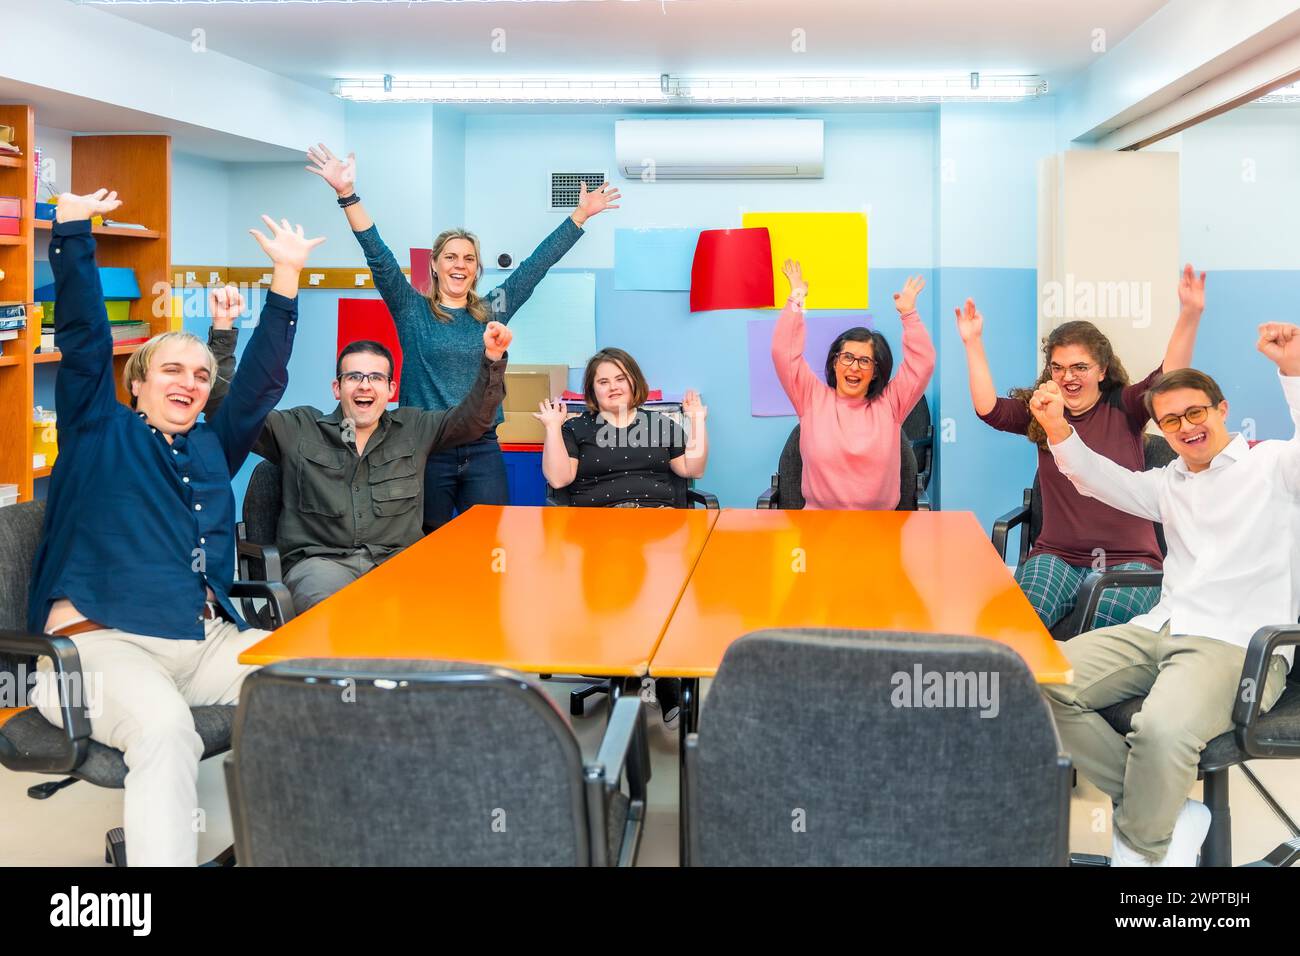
848 360
377 379
1194 415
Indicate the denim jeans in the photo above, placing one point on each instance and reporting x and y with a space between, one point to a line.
470 474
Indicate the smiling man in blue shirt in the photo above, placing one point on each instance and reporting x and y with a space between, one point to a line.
137 553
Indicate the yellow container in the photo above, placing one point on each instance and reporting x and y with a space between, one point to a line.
45 440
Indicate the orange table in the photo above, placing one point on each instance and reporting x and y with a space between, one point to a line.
919 571
536 589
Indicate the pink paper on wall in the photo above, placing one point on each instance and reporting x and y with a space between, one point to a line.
766 397
369 319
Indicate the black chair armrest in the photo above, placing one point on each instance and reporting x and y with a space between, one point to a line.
923 502
268 555
1003 525
1096 584
275 594
694 497
604 774
768 499
71 684
1254 672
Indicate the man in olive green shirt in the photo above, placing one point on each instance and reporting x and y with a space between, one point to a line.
352 479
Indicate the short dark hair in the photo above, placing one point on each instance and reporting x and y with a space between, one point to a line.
1182 378
879 350
369 346
640 388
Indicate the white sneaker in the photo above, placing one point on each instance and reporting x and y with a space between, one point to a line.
1189 833
1121 854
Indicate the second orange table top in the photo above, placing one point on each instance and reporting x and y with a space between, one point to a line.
932 572
550 590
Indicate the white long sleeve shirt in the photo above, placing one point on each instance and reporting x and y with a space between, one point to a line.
1233 530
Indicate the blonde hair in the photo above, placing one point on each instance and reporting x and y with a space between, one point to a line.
137 365
474 303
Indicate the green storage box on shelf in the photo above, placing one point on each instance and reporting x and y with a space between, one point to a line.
119 310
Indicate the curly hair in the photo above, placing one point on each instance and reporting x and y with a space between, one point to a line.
1089 337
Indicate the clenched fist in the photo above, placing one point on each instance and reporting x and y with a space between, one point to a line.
1280 342
496 339
225 304
1048 406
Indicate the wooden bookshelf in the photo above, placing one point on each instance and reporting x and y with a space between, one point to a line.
139 168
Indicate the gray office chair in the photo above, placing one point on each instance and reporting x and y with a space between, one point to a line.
919 428
426 763
848 776
28 742
786 489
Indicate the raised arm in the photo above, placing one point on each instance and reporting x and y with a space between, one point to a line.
1280 342
1191 303
1094 475
970 326
792 371
263 375
692 462
918 353
507 298
559 460
341 174
477 410
84 389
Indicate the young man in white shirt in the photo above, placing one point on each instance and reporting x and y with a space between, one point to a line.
1230 518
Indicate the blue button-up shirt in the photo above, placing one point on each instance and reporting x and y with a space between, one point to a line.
136 528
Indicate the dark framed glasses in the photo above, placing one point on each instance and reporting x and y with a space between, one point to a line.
377 379
848 360
1194 415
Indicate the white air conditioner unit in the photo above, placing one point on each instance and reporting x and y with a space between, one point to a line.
656 149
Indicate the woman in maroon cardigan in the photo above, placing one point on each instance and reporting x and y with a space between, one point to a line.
1080 534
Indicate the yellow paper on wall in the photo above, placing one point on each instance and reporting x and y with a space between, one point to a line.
176 321
831 247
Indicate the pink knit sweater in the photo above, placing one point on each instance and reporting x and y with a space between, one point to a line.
850 446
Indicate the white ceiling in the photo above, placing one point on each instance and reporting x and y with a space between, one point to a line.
314 42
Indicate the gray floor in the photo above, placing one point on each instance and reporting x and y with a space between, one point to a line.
29 836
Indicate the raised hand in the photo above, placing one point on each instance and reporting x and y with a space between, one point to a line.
341 174
551 412
72 207
692 407
794 275
1047 404
591 203
970 323
496 339
1191 290
225 304
905 301
287 245
1280 343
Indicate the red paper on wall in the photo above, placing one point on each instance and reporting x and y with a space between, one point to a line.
732 269
420 269
369 319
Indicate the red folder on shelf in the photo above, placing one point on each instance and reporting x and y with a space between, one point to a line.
732 269
369 319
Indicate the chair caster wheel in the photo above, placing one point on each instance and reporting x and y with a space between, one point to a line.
115 847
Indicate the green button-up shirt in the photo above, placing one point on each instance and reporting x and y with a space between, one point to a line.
337 502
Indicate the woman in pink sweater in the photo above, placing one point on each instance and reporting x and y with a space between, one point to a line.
850 423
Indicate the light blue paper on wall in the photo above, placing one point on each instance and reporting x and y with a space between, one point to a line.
655 260
557 325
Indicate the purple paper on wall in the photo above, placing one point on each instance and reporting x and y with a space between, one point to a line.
766 397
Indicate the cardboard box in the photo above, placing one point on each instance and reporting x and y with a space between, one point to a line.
520 427
527 385
6 134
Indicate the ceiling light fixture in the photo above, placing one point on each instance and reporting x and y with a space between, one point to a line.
670 89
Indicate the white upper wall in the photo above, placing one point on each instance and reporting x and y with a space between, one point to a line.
114 61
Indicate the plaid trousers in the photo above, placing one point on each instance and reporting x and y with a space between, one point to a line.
1052 586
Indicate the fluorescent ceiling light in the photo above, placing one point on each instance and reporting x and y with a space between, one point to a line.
673 89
